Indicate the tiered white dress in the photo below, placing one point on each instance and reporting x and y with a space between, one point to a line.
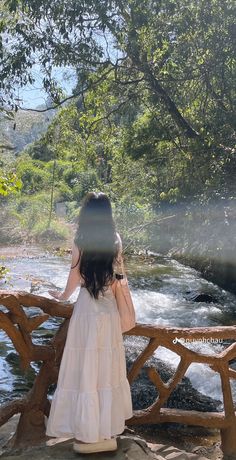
92 399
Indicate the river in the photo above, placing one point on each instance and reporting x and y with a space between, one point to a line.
162 290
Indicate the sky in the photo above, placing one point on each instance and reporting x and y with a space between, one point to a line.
33 96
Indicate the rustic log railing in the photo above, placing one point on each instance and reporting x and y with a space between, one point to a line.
35 405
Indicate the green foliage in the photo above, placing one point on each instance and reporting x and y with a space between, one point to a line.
62 192
30 210
154 128
86 181
9 183
57 231
3 271
132 221
32 214
40 150
33 175
179 56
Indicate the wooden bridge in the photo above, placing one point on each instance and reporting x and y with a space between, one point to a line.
35 405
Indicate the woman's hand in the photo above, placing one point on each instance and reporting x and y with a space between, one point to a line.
57 295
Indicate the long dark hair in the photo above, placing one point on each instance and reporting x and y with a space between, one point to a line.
96 238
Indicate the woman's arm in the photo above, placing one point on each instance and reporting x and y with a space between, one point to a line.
119 263
74 278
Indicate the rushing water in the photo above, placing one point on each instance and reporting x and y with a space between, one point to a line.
162 291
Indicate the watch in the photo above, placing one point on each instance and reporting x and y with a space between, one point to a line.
119 276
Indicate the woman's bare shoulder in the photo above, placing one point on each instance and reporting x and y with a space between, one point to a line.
75 255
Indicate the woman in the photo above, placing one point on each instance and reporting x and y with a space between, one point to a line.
92 399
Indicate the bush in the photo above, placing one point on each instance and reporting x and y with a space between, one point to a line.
58 230
34 177
62 192
30 210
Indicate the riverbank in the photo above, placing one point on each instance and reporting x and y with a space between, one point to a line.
219 270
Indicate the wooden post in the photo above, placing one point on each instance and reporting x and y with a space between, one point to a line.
228 434
228 441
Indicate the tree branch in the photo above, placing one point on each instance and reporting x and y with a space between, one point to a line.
73 96
106 117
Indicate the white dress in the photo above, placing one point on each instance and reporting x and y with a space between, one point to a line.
92 399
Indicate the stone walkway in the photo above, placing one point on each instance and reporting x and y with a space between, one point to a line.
162 451
129 448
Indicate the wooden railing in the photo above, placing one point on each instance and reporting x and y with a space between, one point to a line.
35 405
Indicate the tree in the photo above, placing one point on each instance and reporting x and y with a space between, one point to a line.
9 182
180 54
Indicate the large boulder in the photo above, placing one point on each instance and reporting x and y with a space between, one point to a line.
144 393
